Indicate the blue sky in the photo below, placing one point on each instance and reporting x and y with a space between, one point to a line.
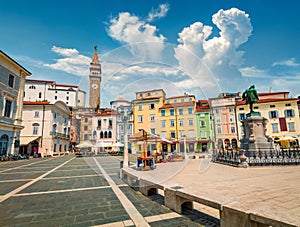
202 47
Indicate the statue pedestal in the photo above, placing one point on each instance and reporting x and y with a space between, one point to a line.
255 133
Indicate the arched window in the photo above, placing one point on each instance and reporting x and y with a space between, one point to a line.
101 135
35 128
99 123
105 134
32 87
109 134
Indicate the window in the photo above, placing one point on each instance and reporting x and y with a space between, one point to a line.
152 117
36 113
54 148
141 95
86 128
289 113
86 136
180 111
163 113
67 98
203 134
152 131
11 81
288 104
148 94
7 109
35 129
242 116
54 129
241 108
191 133
163 123
230 109
99 123
181 122
273 114
272 106
274 127
151 106
218 119
191 122
190 110
40 95
172 123
55 97
182 100
219 130
163 134
231 118
203 123
121 128
140 107
291 126
140 118
217 111
255 107
171 112
190 99
202 115
181 133
175 100
110 123
32 87
232 129
172 135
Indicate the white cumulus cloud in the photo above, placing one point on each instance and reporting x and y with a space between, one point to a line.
158 13
141 37
215 59
72 62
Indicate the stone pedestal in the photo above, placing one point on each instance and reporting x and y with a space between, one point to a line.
255 133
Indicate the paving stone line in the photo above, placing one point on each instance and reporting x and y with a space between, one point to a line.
136 217
2 171
60 191
8 195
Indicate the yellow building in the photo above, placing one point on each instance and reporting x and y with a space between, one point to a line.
281 112
145 114
177 123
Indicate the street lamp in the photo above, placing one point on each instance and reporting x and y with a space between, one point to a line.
124 112
184 146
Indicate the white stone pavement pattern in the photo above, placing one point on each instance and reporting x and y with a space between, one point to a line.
270 192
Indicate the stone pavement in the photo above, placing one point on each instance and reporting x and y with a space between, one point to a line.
69 191
268 194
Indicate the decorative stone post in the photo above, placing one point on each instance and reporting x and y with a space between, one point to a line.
243 159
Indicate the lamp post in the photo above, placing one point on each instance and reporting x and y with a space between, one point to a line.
184 146
124 112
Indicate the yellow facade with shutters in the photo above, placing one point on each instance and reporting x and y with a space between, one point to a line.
281 112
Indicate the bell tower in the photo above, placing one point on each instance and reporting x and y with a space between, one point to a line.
95 80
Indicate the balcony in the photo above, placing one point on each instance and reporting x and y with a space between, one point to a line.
60 135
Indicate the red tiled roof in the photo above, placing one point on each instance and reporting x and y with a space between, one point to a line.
267 100
202 109
180 104
44 81
273 93
35 103
66 85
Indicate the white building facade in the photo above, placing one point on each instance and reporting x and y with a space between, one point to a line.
46 129
46 90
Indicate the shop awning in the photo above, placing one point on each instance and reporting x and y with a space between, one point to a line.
24 140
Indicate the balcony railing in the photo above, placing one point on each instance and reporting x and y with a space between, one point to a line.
59 135
260 157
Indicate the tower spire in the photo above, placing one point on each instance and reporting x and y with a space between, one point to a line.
95 57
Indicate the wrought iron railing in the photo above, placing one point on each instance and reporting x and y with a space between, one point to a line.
259 157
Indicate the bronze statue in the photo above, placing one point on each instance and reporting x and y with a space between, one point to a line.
250 96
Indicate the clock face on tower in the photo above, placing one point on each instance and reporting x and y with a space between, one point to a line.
94 86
